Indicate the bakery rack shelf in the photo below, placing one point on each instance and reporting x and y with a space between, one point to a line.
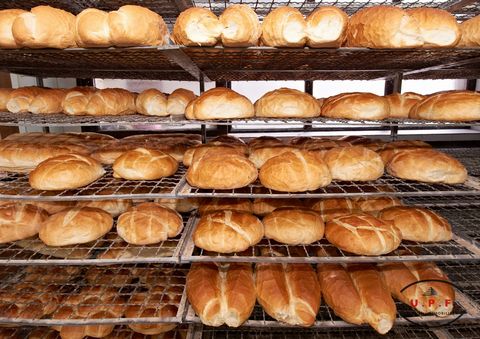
110 249
468 225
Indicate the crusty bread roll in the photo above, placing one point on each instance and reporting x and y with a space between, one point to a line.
219 170
469 31
134 25
20 221
114 207
20 99
92 29
208 205
261 154
289 293
388 151
149 223
449 106
363 234
332 208
400 104
383 27
318 145
359 106
418 224
427 165
354 163
44 27
144 164
152 102
111 101
48 101
179 205
220 103
263 141
178 101
227 231
264 206
326 27
65 172
295 171
241 27
198 151
294 226
397 276
284 27
375 204
438 27
231 140
7 17
4 96
78 225
52 207
197 26
287 103
358 295
76 100
221 294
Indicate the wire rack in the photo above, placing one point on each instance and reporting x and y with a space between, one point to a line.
467 220
468 156
110 249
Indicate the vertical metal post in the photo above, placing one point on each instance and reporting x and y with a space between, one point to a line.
394 85
309 90
471 85
84 82
203 129
39 81
223 129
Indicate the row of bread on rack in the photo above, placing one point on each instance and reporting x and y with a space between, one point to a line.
238 26
102 293
292 293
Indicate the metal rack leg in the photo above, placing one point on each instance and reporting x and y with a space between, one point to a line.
203 129
394 85
309 90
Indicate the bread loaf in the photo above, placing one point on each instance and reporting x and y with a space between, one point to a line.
287 103
144 164
20 99
295 171
197 26
223 294
48 101
114 207
294 226
326 27
383 27
134 25
284 27
433 295
75 226
374 205
241 27
44 27
363 234
438 27
227 232
198 151
358 295
427 165
178 100
208 205
149 223
111 101
179 205
448 106
359 106
354 163
389 150
152 102
20 221
400 104
76 100
264 206
469 31
92 28
64 172
52 207
4 95
7 17
289 293
332 208
220 103
231 140
263 141
261 154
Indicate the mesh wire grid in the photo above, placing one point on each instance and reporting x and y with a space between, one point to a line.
466 220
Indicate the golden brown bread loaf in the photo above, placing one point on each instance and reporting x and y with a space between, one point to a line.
111 101
354 163
231 140
20 221
134 25
178 101
263 141
198 151
289 293
92 29
295 171
397 276
264 206
223 294
358 295
76 100
332 208
64 172
179 205
469 31
400 104
4 96
287 103
359 106
375 204
294 226
449 106
261 154
208 205
52 207
383 27
388 151
149 223
438 27
418 224
241 27
220 103
7 17
144 164
20 99
115 207
363 234
78 225
152 102
326 27
227 231
44 27
427 165
197 26
284 27
48 101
